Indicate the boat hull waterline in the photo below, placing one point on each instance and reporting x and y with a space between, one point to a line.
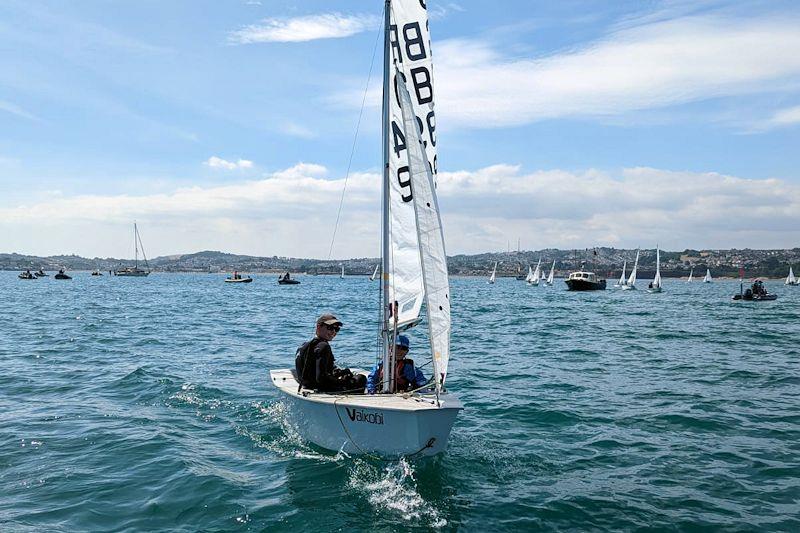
389 425
585 285
240 280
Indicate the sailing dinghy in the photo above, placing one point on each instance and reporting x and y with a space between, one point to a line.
375 273
630 284
537 274
552 273
707 278
790 279
494 273
414 267
621 281
655 285
691 276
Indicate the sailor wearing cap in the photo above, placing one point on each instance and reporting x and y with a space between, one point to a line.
315 364
406 377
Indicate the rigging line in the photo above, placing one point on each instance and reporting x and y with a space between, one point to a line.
355 139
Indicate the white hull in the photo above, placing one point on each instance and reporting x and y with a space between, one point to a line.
628 287
654 289
388 425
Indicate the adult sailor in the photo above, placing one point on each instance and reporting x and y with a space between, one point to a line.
315 364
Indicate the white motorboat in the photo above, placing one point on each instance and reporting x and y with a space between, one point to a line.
414 267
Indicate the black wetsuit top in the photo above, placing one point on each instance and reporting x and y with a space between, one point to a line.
316 367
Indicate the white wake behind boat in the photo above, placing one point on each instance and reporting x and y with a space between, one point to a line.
655 285
630 284
414 270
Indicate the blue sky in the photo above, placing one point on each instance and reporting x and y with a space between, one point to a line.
228 125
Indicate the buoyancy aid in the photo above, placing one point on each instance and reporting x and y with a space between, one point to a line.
401 381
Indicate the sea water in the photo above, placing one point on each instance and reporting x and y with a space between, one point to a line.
144 404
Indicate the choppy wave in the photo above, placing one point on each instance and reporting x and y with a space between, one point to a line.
145 404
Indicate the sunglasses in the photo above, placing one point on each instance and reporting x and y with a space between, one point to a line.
333 328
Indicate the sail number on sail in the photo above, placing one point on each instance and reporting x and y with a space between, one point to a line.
410 48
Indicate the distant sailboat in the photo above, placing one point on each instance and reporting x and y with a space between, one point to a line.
135 271
707 278
621 281
537 274
630 285
341 276
655 285
529 277
375 273
552 273
790 279
494 273
691 276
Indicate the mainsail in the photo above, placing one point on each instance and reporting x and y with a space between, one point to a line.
657 279
632 278
622 277
790 279
432 256
410 60
552 273
707 278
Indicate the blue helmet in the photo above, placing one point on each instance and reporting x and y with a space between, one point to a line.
403 341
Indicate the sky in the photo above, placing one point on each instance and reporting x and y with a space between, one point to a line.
229 125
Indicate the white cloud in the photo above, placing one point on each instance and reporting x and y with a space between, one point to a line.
653 65
8 107
296 130
218 162
305 28
786 117
291 212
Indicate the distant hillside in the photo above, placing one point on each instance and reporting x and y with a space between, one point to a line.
605 261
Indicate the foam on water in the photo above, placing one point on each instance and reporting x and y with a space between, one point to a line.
145 404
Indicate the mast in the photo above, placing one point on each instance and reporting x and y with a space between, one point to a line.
386 348
135 246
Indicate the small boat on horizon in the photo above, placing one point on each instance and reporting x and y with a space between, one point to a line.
237 278
287 280
27 275
790 279
707 278
655 285
135 271
41 274
630 284
62 275
494 274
